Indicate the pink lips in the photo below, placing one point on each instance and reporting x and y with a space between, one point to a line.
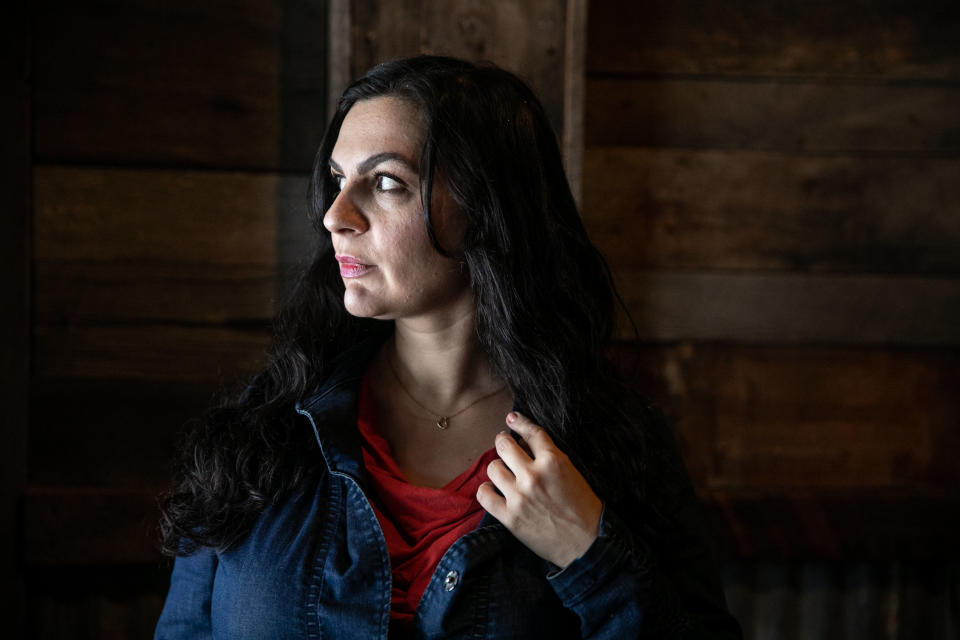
350 267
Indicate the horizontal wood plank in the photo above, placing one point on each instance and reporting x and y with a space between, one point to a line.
85 292
121 244
790 308
845 526
779 418
150 352
808 116
110 215
180 83
897 39
113 432
690 209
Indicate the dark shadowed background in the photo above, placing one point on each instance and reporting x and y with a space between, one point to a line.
776 186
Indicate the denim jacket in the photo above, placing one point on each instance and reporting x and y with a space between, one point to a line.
317 566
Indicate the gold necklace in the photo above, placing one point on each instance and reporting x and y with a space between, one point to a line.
443 422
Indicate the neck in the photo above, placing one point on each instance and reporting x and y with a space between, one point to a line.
444 363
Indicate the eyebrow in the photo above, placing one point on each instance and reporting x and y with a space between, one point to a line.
376 159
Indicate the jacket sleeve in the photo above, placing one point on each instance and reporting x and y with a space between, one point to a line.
186 612
619 588
650 573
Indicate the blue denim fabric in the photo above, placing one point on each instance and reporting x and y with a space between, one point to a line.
317 566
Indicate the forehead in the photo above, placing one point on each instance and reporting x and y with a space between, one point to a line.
377 125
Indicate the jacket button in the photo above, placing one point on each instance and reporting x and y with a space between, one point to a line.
450 582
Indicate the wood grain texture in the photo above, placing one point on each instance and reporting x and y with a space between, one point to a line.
150 352
526 37
339 51
84 292
819 116
673 208
775 419
381 30
211 84
857 38
770 307
117 245
572 142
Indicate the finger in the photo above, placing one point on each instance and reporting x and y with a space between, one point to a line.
531 432
512 453
502 478
493 502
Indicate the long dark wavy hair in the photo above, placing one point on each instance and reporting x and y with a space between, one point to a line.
544 310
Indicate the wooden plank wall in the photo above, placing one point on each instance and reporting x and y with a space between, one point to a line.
776 187
172 144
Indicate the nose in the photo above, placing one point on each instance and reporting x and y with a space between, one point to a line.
344 216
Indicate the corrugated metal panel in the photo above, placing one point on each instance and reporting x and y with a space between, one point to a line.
845 601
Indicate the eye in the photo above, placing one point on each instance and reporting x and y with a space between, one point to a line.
388 183
338 181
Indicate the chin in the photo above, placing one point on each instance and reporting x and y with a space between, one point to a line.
360 305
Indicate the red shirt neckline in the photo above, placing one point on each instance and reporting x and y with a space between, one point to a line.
419 523
384 454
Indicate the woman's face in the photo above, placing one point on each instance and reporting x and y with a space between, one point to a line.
388 266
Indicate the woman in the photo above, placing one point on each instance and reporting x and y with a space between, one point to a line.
438 447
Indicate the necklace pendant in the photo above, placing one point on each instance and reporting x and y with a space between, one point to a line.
443 422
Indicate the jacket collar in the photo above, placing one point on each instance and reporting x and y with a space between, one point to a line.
332 410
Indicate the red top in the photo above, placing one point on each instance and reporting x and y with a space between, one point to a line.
419 523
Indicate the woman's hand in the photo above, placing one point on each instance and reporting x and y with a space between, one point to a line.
546 503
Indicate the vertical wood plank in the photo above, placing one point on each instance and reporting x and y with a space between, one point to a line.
532 38
528 37
574 79
302 76
15 176
339 51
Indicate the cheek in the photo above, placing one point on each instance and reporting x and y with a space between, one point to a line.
403 259
409 245
419 270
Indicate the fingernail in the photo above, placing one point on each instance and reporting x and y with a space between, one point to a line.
503 433
511 417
